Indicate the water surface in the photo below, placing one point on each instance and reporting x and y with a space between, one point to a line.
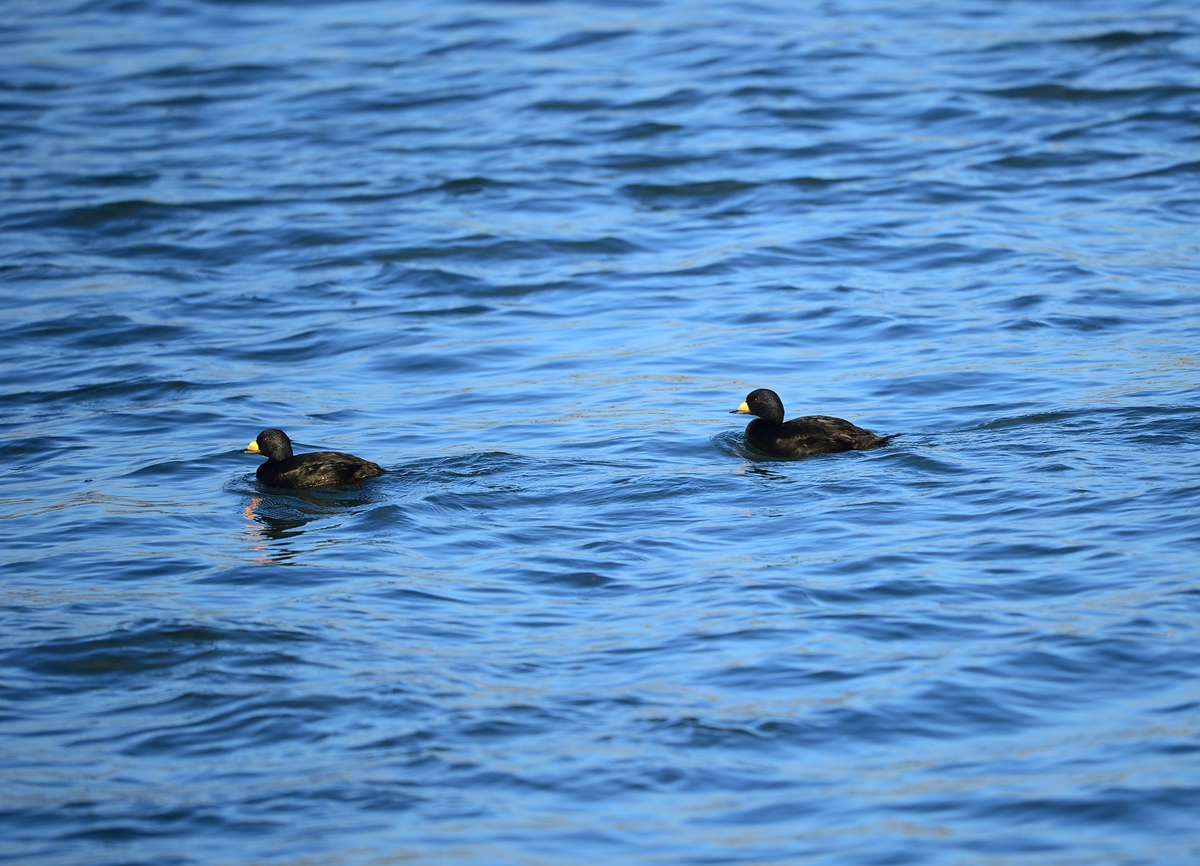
528 256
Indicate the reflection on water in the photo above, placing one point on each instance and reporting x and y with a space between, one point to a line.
286 516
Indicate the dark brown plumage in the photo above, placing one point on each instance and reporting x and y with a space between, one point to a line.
315 469
812 434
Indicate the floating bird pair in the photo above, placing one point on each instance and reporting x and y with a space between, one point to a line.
800 437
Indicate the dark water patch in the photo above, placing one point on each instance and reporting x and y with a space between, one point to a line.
1048 160
143 648
687 194
1120 39
129 388
581 39
1063 93
116 179
101 331
641 132
1176 168
469 185
538 249
113 218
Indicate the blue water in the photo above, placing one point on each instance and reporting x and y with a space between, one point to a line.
528 255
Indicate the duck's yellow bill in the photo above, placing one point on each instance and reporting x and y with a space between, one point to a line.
253 447
741 410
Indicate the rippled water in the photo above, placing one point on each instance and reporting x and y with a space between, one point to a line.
529 255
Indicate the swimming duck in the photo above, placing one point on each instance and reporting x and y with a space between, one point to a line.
315 469
812 434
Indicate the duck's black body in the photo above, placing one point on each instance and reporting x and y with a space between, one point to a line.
812 434
315 469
